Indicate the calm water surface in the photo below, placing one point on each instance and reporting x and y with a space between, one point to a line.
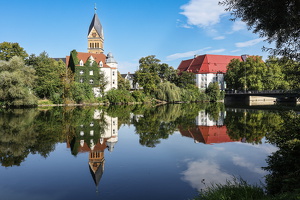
130 152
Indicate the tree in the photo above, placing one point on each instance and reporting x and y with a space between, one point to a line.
123 83
185 79
277 21
103 82
9 50
49 72
16 83
213 91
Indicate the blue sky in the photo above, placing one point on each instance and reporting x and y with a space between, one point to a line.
173 30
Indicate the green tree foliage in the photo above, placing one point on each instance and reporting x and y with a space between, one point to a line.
167 91
9 50
251 127
116 96
103 82
17 81
291 70
213 92
254 74
82 92
49 83
278 22
284 164
123 83
147 80
185 79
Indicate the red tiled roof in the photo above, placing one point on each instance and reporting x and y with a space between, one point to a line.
207 63
207 134
215 134
85 56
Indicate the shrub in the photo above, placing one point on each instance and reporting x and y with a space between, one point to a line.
119 96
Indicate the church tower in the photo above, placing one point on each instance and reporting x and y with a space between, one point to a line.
95 36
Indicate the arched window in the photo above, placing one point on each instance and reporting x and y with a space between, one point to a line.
81 63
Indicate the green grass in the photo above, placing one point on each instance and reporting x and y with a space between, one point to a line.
239 189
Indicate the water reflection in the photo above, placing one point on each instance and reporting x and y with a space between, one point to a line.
90 133
94 137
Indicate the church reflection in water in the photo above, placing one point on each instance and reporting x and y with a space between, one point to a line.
208 130
94 137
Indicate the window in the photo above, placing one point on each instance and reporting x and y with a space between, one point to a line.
92 133
81 80
101 64
113 73
81 63
113 82
81 72
91 81
92 124
91 72
81 133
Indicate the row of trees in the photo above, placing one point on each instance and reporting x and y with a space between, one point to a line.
255 74
167 84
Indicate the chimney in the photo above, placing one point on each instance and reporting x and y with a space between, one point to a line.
244 57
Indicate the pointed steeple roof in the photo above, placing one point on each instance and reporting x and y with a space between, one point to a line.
95 23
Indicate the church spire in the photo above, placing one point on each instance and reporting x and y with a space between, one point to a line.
95 35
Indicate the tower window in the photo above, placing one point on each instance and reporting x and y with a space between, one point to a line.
113 73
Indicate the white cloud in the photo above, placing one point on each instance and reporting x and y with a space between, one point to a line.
236 50
240 161
219 38
238 25
185 54
202 13
215 51
249 43
203 173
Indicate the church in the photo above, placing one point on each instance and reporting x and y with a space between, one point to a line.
87 66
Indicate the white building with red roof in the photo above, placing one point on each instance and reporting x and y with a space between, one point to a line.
85 70
208 68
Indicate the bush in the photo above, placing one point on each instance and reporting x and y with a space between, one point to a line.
139 96
119 96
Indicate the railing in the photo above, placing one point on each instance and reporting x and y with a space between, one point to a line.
260 91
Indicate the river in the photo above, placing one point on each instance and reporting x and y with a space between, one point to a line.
130 152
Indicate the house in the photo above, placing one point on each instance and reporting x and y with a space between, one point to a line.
130 77
209 68
89 65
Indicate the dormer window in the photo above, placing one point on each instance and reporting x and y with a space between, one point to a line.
81 63
101 64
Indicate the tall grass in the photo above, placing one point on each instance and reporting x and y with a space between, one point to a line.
237 189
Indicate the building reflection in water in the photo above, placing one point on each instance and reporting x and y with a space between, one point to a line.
94 137
208 130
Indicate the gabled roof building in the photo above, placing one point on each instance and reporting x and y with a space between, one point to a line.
95 61
208 68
